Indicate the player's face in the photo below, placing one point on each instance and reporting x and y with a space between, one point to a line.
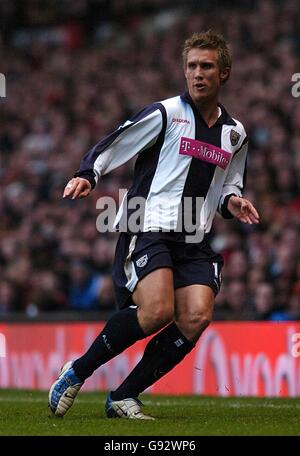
203 74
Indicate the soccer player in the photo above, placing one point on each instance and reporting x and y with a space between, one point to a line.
186 147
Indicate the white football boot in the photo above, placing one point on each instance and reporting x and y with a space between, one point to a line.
126 408
64 390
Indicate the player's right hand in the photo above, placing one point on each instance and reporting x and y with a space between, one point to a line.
78 187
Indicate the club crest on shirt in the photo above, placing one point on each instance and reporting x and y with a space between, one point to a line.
141 262
234 137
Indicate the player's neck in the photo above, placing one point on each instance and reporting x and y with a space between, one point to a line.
209 111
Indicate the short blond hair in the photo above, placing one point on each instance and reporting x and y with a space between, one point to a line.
209 40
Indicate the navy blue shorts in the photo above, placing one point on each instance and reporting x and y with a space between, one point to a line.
138 255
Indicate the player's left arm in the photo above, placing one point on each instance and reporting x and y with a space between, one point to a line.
242 209
232 204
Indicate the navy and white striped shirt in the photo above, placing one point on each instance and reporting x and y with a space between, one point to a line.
178 156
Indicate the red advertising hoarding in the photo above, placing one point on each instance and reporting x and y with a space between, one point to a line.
230 359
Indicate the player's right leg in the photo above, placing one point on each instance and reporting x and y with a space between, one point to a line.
155 296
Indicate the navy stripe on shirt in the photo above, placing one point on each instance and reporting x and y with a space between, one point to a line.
86 169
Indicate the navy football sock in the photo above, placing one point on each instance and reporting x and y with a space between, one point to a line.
162 353
120 332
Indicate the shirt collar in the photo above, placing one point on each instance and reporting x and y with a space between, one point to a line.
224 118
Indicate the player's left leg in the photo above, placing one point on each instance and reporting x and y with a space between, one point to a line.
194 306
193 309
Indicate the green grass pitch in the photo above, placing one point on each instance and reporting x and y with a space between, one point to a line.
25 413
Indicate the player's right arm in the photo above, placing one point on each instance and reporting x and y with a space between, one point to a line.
78 187
135 135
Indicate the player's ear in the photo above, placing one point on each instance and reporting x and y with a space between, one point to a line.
224 75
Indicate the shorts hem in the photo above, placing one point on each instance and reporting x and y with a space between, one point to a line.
176 287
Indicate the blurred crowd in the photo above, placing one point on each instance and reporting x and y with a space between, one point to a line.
75 70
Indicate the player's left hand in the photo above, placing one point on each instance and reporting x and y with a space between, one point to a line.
243 210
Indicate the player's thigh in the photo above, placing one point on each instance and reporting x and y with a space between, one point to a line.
194 304
196 284
155 292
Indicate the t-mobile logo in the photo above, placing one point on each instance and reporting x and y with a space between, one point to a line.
205 152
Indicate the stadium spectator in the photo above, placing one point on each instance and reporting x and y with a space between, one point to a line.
84 288
7 297
89 290
264 302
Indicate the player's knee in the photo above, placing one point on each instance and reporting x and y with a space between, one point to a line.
161 312
204 321
162 316
196 320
